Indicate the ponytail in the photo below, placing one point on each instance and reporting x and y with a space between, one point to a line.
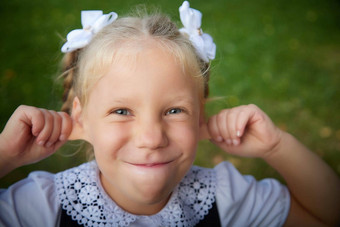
69 68
205 70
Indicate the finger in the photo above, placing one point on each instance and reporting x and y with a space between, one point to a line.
213 129
56 128
242 122
223 125
232 119
38 121
31 116
46 131
66 126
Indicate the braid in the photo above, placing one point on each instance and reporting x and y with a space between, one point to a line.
69 75
205 70
206 84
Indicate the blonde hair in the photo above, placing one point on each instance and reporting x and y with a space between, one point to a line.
83 68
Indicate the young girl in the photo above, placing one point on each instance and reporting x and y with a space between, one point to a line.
135 89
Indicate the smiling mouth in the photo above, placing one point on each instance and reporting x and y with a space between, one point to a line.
150 165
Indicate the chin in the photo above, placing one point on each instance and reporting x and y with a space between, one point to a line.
152 191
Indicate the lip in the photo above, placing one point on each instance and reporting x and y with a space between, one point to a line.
151 164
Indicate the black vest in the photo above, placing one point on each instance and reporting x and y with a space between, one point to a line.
212 219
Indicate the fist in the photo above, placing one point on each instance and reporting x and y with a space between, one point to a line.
32 134
245 131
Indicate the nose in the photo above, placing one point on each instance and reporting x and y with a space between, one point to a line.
151 134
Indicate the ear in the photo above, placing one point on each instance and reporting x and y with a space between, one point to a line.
78 132
203 126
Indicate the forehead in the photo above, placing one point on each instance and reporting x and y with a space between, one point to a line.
149 54
151 64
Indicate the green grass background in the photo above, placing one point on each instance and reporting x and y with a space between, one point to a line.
282 55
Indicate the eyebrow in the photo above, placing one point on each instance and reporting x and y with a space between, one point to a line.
179 100
183 99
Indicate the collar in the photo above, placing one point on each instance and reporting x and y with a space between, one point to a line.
82 196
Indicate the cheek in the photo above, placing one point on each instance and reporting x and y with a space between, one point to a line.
186 137
108 139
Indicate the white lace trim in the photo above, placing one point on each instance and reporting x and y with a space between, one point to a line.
82 196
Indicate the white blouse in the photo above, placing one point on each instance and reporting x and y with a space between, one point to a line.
241 200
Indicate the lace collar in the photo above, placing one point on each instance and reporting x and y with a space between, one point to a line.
82 196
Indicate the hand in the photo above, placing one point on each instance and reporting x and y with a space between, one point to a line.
245 131
248 131
30 135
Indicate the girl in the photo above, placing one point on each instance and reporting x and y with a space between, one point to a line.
135 88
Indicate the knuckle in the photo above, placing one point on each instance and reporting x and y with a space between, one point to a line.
65 117
57 117
225 111
242 113
62 114
39 114
252 106
21 107
52 112
222 115
49 116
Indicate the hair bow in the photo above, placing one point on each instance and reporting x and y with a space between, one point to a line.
203 42
92 21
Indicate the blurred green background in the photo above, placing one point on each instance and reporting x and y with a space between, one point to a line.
282 55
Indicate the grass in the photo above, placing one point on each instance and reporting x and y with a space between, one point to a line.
283 56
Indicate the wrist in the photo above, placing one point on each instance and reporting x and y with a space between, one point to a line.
6 165
279 149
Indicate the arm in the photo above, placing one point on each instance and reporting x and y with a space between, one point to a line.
30 135
314 187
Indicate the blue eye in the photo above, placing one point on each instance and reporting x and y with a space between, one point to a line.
122 112
175 111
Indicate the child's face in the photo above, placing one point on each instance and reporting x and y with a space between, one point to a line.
142 119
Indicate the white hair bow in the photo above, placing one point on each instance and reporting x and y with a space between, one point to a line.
92 22
203 42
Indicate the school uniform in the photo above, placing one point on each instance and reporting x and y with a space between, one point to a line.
205 197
